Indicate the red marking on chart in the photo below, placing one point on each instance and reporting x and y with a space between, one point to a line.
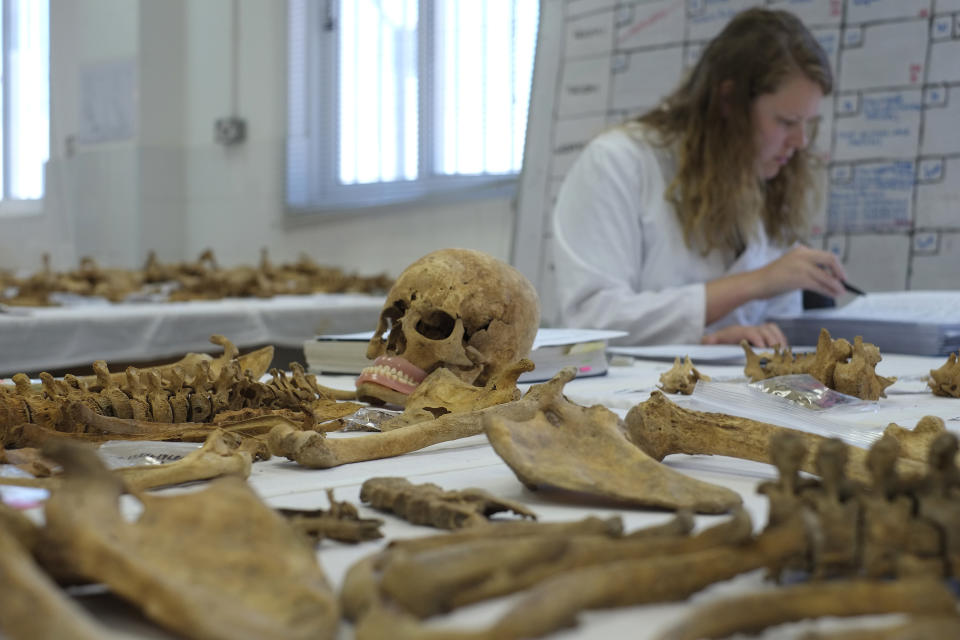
585 369
643 24
915 71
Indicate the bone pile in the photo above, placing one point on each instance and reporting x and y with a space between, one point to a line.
163 402
216 563
845 548
203 278
844 367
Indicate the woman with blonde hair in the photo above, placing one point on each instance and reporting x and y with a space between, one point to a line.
682 225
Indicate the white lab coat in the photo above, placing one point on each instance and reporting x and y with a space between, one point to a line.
621 260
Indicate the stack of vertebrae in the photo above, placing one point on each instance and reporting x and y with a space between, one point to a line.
176 396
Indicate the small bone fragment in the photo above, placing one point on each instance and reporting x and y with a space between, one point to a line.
576 448
915 443
555 603
858 376
341 522
428 504
215 563
681 378
755 612
945 381
442 392
661 428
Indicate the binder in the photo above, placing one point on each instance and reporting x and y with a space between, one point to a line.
553 349
923 323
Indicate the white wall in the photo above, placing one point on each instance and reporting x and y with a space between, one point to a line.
170 187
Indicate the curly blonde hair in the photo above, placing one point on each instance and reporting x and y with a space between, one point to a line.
716 192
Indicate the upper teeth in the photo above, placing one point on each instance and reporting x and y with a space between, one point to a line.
390 372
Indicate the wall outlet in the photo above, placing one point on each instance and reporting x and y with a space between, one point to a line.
230 131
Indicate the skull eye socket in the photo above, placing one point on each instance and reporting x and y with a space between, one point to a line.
436 325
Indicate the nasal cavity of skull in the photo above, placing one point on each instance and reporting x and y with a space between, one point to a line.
436 325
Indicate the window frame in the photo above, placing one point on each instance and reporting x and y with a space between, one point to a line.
311 185
10 205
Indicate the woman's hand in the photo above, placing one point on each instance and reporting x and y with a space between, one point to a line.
764 335
803 268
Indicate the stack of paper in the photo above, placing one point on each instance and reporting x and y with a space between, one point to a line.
925 323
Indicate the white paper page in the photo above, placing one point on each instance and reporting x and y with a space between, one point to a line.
553 337
545 337
699 353
911 306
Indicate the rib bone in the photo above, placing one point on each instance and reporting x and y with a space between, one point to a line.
554 604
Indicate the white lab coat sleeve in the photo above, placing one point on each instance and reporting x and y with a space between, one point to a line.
785 304
598 251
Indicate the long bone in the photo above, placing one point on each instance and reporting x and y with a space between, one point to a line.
439 580
315 450
845 598
661 428
554 604
219 456
361 589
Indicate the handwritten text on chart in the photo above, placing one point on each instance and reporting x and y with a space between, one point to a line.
875 196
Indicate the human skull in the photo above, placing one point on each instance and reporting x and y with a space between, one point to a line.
458 309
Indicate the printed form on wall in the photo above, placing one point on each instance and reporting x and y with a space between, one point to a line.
889 132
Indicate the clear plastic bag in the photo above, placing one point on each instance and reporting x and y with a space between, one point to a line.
131 453
806 391
368 419
747 401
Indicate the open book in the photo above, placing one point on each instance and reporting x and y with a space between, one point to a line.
553 350
924 323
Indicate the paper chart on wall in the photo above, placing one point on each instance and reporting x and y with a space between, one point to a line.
889 130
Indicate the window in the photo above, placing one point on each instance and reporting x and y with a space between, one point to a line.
25 100
399 100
